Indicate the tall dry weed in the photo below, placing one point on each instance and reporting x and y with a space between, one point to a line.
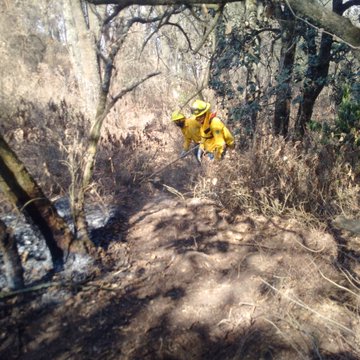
278 177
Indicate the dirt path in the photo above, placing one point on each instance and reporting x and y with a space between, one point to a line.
190 281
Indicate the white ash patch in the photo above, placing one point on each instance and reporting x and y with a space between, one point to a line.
35 256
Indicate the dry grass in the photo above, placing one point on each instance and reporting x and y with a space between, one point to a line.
51 140
308 186
306 183
311 183
276 177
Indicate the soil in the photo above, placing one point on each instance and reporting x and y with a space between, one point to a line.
181 278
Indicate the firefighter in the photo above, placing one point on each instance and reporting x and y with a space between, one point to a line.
190 129
215 136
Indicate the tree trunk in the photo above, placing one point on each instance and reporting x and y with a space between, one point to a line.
317 73
288 51
23 191
317 76
13 270
102 109
81 43
251 100
79 203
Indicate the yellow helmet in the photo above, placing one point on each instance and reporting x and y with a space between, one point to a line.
177 116
199 107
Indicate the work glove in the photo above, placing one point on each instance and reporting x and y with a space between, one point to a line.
199 154
183 154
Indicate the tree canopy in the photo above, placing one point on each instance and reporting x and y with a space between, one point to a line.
317 14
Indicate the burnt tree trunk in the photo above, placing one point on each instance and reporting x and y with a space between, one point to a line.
22 190
13 270
288 50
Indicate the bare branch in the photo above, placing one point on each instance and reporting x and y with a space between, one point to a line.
164 20
332 23
129 88
101 117
183 31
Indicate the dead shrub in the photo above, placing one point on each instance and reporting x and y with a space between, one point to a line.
129 157
276 177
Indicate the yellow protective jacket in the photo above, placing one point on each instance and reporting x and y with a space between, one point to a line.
215 136
191 132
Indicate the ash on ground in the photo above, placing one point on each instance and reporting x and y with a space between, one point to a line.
35 256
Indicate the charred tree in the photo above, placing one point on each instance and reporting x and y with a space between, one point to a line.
21 189
13 269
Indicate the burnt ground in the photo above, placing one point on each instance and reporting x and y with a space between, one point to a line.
181 278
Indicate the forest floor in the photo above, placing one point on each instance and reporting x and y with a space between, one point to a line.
184 279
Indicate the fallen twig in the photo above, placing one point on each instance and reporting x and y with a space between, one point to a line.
8 294
304 306
334 283
84 285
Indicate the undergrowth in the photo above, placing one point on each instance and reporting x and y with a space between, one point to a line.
310 180
51 139
278 177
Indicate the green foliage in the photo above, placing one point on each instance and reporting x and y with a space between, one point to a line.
239 48
338 51
314 125
346 129
347 124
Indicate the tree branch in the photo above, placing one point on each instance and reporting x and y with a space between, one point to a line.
211 28
183 32
115 13
332 23
128 89
164 21
328 20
